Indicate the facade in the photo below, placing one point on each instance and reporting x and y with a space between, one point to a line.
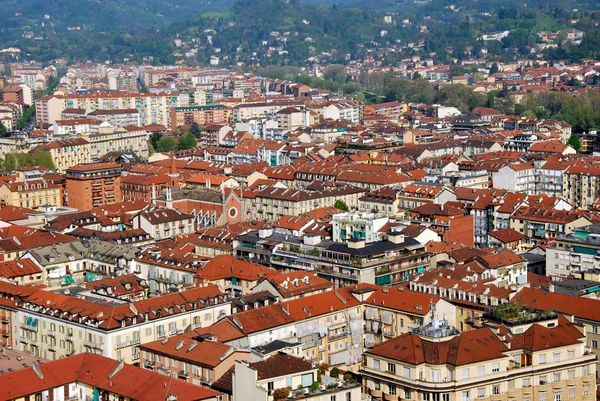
576 252
436 362
114 330
117 117
88 377
164 223
92 185
67 153
517 178
30 194
154 108
125 139
197 359
201 115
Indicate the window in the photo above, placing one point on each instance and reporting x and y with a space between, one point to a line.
558 395
376 364
496 389
288 382
407 372
542 397
543 379
571 354
392 367
571 392
495 367
376 384
392 389
542 358
348 396
270 387
595 329
465 373
407 393
481 392
556 377
586 390
526 382
594 344
570 374
465 395
332 398
585 370
557 357
481 371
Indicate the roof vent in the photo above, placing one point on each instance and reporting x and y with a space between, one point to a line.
179 345
38 371
192 346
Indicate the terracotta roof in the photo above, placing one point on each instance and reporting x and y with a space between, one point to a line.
94 370
227 266
507 235
463 349
205 352
18 268
583 308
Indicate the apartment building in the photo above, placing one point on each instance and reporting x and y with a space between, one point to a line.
30 194
517 178
164 223
201 115
576 252
197 359
350 111
581 185
67 153
75 127
92 185
274 202
436 362
259 380
129 138
543 224
87 377
154 108
54 325
117 117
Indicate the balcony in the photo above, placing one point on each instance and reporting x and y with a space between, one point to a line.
4 319
183 374
338 336
5 333
149 365
29 327
52 347
34 343
69 338
52 333
91 344
527 390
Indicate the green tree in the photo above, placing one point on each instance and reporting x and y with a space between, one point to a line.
187 141
151 150
575 141
43 158
3 130
195 129
166 144
154 138
340 204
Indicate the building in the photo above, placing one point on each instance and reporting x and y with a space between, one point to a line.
529 360
517 178
576 252
92 185
114 329
164 223
259 381
67 153
30 193
197 359
117 117
201 115
129 138
154 108
87 377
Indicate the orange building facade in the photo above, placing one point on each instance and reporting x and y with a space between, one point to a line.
92 185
